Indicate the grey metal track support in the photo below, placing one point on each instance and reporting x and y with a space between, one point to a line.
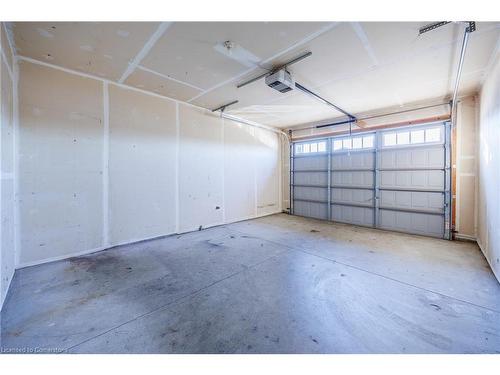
329 177
292 177
448 234
376 178
465 39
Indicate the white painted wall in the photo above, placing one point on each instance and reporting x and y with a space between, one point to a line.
7 94
489 169
102 164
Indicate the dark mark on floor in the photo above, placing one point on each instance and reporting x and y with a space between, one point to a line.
437 307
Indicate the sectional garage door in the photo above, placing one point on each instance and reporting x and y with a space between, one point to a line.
396 179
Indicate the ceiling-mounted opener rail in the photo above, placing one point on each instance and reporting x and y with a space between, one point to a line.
223 107
305 90
281 80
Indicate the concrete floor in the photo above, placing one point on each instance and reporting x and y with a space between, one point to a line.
278 284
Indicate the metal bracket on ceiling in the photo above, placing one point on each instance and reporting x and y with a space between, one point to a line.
470 28
223 107
432 26
275 69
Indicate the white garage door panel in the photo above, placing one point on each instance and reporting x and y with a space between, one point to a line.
311 193
425 224
311 178
311 163
432 180
358 179
311 209
355 196
400 181
412 200
352 215
421 157
354 160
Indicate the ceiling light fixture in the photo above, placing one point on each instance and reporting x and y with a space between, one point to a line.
237 53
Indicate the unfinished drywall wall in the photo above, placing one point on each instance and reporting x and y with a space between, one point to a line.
239 171
489 169
267 156
142 162
466 168
7 93
251 157
103 164
201 169
60 163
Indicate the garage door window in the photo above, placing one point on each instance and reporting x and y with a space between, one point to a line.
368 141
353 143
417 136
420 136
432 135
310 147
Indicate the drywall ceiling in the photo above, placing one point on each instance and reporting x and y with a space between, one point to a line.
359 66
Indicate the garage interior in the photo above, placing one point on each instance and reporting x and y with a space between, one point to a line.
250 187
